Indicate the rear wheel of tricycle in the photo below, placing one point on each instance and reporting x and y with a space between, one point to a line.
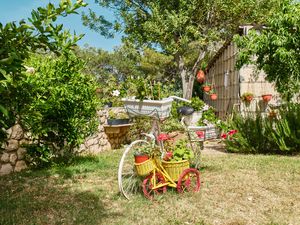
150 182
189 181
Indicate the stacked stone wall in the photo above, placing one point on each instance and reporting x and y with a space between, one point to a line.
12 157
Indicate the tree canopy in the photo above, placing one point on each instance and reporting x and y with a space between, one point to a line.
187 30
276 48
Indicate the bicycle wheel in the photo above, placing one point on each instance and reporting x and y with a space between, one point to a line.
148 184
189 181
128 180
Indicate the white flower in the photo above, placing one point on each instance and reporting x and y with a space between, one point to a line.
205 108
205 121
116 93
218 122
29 69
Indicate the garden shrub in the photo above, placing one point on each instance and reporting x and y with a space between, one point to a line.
59 105
275 135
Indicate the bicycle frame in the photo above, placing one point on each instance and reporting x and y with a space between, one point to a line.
158 168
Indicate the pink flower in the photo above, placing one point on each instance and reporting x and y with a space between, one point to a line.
163 137
200 134
224 136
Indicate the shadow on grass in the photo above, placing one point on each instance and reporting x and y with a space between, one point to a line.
43 201
60 195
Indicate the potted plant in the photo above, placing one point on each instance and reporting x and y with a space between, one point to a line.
176 160
206 87
148 100
266 97
247 97
197 104
142 154
117 118
213 95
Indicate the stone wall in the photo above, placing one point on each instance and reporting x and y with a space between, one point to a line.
12 158
99 141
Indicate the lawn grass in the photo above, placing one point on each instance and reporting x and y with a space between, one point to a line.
236 189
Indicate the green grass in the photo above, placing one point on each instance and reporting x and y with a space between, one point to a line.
236 189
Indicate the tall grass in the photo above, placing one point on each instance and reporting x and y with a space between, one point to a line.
263 134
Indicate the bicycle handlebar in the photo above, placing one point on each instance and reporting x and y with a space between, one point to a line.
180 99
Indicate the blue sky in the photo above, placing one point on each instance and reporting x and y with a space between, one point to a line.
14 10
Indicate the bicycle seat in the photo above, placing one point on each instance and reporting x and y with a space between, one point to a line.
185 110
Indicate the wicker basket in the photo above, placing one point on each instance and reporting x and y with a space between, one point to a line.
144 168
174 169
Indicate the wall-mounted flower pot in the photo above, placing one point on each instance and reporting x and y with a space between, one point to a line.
266 97
206 88
248 98
117 121
200 76
140 158
213 97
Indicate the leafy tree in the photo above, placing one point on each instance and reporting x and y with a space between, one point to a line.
123 67
276 48
18 40
186 30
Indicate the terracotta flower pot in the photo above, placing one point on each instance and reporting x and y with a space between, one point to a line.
213 97
200 76
140 158
267 97
206 88
249 98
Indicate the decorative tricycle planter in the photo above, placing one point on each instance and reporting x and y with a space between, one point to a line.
155 108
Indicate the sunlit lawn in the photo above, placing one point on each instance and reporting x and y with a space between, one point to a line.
236 189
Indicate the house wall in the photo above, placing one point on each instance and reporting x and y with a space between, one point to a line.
231 83
254 82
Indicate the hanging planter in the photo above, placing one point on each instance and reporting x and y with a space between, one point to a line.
200 76
267 97
206 87
213 96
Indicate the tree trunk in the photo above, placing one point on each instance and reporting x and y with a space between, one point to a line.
183 75
188 77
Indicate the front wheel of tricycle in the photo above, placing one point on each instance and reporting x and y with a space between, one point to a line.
151 181
189 181
128 179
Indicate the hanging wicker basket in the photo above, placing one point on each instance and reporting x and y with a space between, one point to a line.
174 169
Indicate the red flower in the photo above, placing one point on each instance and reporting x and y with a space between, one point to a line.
163 137
200 134
168 156
232 132
224 136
